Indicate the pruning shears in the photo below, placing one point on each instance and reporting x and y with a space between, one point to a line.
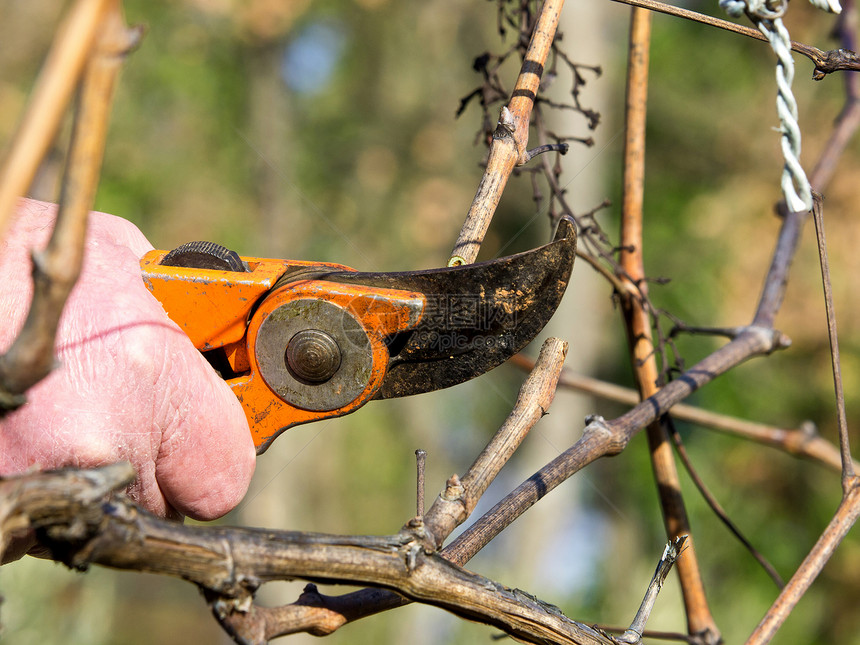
302 341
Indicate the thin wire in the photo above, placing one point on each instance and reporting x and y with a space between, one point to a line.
848 473
768 18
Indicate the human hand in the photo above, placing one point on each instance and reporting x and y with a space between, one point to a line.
129 384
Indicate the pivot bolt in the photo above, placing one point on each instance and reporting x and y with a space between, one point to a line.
313 356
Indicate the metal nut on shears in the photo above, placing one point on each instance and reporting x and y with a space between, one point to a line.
313 356
311 372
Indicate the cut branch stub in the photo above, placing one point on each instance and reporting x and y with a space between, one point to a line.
456 503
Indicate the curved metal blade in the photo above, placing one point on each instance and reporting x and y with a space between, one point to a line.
477 315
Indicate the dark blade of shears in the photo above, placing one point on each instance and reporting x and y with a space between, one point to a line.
477 315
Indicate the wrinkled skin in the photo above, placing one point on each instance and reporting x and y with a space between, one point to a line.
129 384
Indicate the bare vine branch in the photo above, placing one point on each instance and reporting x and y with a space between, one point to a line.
603 438
230 563
638 324
510 138
718 510
671 554
845 517
533 402
63 67
803 441
56 269
848 474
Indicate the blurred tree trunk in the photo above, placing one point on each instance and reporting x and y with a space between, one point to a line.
271 131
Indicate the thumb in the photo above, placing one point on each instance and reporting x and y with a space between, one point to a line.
206 458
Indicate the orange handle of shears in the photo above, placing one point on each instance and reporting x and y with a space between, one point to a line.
251 320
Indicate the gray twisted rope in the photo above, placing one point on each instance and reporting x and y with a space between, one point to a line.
768 18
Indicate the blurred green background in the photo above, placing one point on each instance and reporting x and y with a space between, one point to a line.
326 131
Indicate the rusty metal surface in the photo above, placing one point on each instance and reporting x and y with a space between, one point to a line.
476 317
354 365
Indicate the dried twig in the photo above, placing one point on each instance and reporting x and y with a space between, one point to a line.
718 510
63 66
845 517
458 501
638 323
510 138
848 473
671 553
56 269
420 463
849 118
